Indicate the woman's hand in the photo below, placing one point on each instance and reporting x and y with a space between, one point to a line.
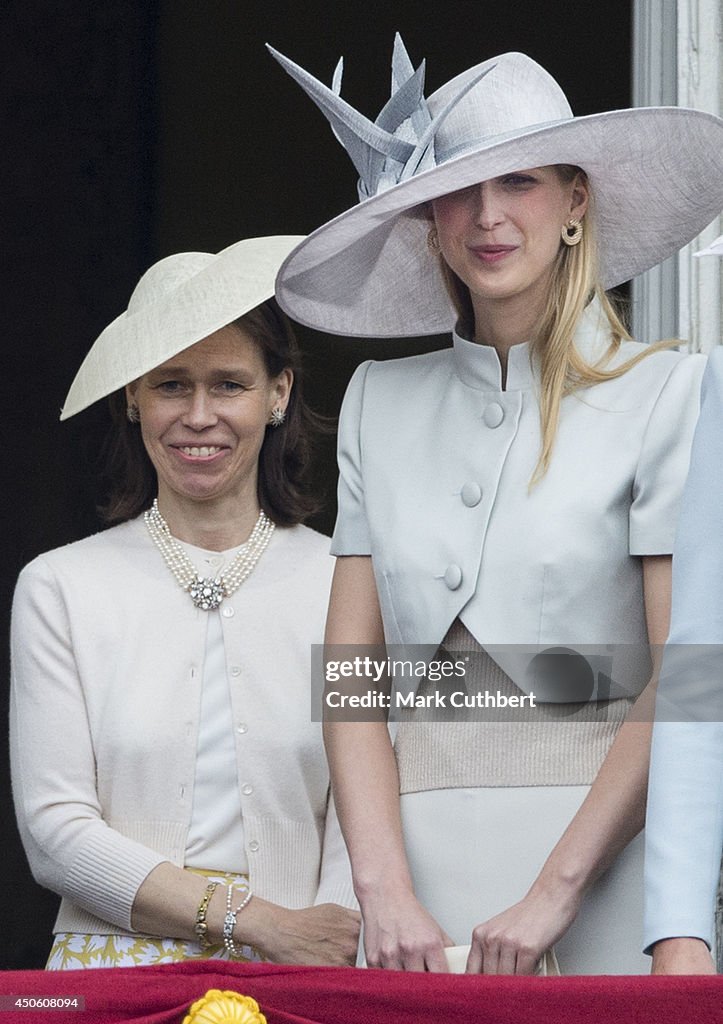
682 956
611 815
167 902
514 941
399 934
327 934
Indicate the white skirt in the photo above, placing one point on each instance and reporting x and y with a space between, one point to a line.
475 852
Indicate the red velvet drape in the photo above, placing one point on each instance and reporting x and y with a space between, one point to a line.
319 995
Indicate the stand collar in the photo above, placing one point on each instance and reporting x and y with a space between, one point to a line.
478 366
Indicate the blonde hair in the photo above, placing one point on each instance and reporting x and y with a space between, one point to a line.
575 282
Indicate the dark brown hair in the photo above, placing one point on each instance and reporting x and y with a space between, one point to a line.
284 457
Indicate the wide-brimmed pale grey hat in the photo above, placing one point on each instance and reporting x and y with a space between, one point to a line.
656 175
179 301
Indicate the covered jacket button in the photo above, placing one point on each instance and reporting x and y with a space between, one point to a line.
493 414
471 494
453 576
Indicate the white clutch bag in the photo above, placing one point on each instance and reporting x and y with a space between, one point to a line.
457 960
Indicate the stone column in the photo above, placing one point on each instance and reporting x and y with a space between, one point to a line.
677 60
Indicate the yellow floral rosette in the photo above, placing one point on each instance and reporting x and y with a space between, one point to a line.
218 1007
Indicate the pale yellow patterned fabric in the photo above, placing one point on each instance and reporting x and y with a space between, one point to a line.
74 951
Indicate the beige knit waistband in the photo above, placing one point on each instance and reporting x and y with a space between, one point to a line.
540 749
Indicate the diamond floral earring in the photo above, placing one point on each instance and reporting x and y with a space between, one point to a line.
278 415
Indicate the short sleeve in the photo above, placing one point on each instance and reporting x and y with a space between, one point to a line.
664 458
351 534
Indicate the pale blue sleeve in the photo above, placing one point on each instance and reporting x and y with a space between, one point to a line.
684 832
664 459
351 534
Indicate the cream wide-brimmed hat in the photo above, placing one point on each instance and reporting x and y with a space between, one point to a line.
656 175
179 301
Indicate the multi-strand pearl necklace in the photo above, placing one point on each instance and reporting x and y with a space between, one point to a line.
207 593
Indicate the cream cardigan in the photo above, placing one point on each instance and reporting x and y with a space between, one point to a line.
107 662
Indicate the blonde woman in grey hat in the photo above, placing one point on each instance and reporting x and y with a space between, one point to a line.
168 782
518 488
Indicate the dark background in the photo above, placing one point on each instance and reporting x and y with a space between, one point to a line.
132 129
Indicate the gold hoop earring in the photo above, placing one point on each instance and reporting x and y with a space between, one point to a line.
571 232
433 241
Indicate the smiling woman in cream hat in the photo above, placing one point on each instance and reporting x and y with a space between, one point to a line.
516 491
167 780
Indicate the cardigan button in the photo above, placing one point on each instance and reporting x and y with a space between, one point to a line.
235 670
453 576
247 790
493 415
242 728
227 611
254 845
471 494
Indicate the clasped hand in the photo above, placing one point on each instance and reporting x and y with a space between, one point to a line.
402 935
514 941
327 934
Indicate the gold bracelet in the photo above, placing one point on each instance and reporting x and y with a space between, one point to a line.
201 926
